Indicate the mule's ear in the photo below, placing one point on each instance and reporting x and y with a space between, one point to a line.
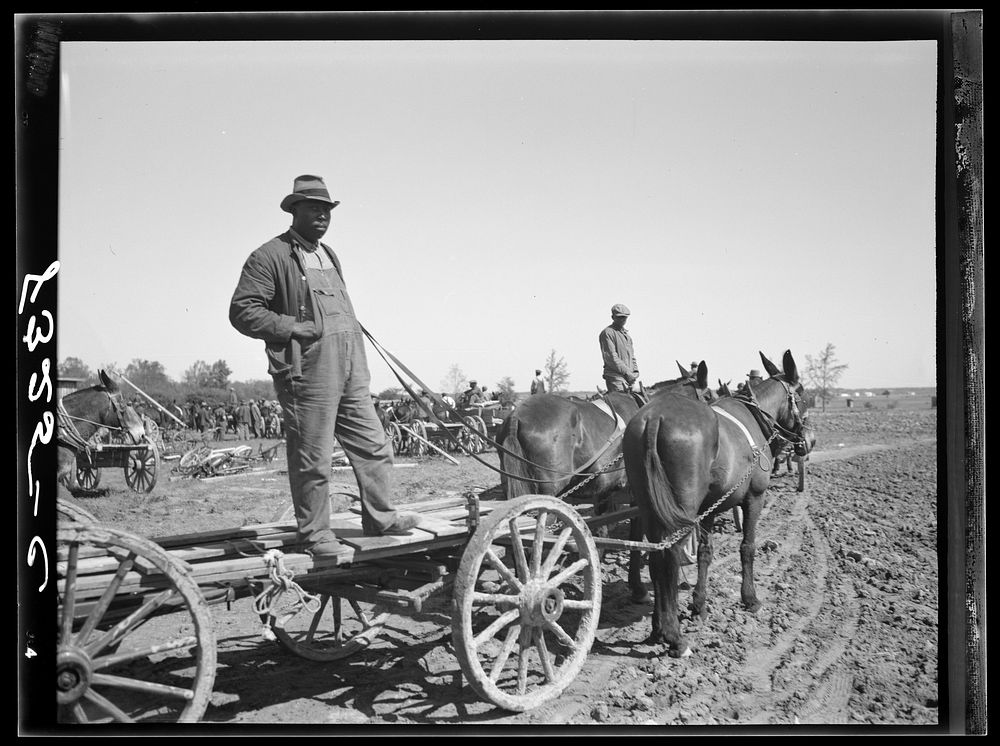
702 375
791 370
771 368
684 371
105 379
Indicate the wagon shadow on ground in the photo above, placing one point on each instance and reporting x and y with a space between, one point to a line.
407 678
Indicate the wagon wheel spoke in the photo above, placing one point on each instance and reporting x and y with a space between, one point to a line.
181 643
541 602
508 647
139 685
544 657
130 623
520 558
555 552
69 594
132 657
538 545
97 613
106 706
503 570
88 476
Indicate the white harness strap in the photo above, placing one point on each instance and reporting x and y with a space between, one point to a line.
603 406
739 424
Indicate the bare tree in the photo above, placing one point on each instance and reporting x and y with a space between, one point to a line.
556 372
823 372
455 382
506 388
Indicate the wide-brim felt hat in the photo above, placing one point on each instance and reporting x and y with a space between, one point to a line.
308 187
754 374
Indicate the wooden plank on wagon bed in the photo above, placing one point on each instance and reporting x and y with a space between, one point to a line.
427 506
241 532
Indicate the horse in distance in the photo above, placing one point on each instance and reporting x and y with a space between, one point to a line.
84 415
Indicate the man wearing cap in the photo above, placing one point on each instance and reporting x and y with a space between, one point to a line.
620 367
754 378
472 396
291 294
538 385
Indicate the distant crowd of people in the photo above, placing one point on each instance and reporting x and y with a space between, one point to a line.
244 418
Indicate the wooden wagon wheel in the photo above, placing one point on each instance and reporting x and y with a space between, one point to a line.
142 467
121 656
464 437
524 618
193 459
337 629
418 447
395 435
478 441
67 511
88 476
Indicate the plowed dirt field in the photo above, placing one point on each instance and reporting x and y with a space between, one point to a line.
846 571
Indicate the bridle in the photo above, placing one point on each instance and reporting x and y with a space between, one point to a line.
769 424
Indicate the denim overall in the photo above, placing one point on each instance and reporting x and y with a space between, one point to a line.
332 399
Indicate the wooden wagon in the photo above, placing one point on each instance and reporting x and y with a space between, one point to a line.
139 461
521 579
468 430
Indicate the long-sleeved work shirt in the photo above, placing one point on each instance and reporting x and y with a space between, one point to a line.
272 294
619 357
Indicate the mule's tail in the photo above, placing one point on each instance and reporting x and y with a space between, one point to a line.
513 464
663 496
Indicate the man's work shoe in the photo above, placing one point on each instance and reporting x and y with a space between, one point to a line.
403 524
325 548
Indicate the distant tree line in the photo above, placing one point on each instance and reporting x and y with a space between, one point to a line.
210 382
202 382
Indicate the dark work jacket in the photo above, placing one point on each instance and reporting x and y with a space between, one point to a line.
270 297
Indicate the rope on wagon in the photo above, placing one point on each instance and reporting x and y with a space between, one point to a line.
265 603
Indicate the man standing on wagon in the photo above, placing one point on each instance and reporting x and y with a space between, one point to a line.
291 294
620 367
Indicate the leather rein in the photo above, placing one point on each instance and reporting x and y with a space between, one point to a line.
392 361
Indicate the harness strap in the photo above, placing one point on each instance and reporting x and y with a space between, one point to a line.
615 436
739 424
67 432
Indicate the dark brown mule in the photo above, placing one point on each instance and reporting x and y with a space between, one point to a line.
571 448
687 462
81 414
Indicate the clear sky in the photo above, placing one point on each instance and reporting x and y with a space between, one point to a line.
498 197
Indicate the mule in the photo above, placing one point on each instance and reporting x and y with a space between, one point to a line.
86 413
687 462
570 448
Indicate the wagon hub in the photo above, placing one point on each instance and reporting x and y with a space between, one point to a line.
540 603
73 670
